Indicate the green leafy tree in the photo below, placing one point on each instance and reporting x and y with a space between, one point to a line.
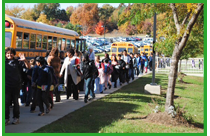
69 11
184 19
105 12
60 25
28 14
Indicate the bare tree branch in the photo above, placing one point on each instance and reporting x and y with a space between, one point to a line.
190 26
176 20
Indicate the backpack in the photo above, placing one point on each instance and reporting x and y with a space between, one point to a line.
94 69
109 69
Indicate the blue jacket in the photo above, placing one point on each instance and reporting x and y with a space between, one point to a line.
44 77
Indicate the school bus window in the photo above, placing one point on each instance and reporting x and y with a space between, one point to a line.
142 49
63 44
83 45
39 41
49 42
44 42
32 41
68 44
59 43
121 49
114 49
54 41
19 40
8 38
72 44
25 40
146 49
130 50
77 44
150 49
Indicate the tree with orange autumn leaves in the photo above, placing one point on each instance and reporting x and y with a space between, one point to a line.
99 28
85 15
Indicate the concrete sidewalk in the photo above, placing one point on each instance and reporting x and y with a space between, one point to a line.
29 122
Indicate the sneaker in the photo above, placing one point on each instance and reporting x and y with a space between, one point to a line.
7 122
91 98
85 100
15 121
101 92
105 88
41 114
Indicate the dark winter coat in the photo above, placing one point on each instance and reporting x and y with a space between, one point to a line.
13 73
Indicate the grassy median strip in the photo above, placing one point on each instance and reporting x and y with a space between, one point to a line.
124 110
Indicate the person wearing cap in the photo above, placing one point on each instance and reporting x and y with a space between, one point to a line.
71 79
44 81
13 72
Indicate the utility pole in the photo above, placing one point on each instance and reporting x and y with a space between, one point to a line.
153 88
153 56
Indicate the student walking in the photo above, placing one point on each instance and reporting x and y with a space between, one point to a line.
44 81
126 59
115 73
98 83
71 79
88 77
121 67
55 62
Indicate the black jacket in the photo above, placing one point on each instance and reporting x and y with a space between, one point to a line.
87 69
13 73
121 63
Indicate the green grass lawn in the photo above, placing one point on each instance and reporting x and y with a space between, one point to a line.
121 111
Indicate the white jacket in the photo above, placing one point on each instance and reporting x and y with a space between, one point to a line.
70 64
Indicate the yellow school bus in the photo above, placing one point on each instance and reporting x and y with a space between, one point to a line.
147 49
119 47
34 39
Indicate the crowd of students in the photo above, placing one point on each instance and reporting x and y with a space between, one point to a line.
41 78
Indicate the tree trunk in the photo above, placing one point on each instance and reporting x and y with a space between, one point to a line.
172 78
181 43
180 63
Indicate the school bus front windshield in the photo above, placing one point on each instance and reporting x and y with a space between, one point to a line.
121 49
130 50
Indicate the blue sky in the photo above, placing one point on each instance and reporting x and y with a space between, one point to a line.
62 5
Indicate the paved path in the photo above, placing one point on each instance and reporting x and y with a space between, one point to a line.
29 122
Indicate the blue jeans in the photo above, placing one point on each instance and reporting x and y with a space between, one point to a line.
88 87
131 73
98 86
